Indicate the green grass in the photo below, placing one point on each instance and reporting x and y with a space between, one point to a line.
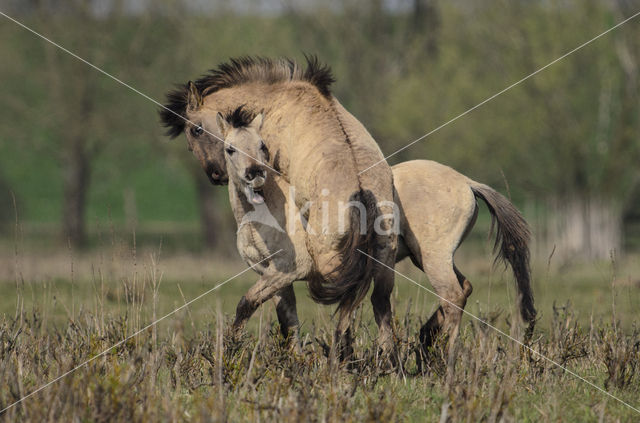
100 284
68 307
63 282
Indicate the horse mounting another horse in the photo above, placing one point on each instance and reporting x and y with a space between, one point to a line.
434 206
319 147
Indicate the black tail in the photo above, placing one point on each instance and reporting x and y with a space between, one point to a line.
512 244
349 282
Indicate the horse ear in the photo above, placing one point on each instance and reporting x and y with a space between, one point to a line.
223 125
256 123
194 99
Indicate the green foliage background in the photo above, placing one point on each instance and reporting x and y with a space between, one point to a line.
570 130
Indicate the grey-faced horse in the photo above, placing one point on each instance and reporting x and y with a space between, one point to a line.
317 147
437 205
268 239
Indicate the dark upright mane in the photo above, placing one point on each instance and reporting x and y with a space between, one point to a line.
240 71
173 114
240 117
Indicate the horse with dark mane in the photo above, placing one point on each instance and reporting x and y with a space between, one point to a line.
320 149
438 207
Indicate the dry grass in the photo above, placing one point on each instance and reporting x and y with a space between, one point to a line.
208 376
187 369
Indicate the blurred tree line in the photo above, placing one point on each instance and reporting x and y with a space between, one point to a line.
77 147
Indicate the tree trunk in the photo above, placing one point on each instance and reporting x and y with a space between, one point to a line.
76 183
209 222
585 228
426 19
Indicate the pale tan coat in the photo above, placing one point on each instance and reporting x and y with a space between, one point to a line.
438 208
318 147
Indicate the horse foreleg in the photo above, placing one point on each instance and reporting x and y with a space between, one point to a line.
265 288
287 312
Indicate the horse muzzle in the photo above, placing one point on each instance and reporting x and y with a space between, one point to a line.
215 175
254 188
217 179
254 194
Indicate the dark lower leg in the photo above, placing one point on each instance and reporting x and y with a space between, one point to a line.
380 299
467 289
431 330
453 288
342 342
260 292
244 310
345 345
287 312
447 317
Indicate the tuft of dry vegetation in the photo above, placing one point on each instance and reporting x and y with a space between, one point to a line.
209 376
188 367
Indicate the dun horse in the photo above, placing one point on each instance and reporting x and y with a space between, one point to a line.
262 207
433 220
318 147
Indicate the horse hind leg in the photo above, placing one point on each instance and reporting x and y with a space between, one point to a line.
453 293
381 302
342 347
433 328
466 286
443 275
383 279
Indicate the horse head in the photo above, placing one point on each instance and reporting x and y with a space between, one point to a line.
204 139
245 153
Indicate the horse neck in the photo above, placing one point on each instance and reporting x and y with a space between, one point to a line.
238 200
291 109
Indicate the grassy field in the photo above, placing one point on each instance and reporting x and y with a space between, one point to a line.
60 308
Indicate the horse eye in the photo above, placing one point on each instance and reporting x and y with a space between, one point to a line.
230 150
264 150
196 131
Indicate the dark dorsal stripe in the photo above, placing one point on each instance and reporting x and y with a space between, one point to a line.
240 71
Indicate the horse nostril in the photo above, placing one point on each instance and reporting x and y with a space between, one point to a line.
254 171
